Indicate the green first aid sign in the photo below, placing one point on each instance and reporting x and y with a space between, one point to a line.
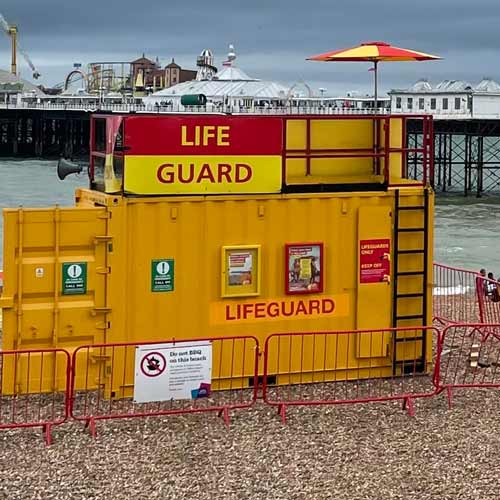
74 278
162 275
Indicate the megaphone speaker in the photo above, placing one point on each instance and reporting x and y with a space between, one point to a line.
66 167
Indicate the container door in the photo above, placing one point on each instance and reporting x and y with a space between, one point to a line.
55 281
374 280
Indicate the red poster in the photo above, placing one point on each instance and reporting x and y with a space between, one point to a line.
374 260
304 268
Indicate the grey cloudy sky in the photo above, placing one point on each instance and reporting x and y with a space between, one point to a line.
272 37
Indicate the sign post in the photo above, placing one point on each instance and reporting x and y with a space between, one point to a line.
74 278
162 275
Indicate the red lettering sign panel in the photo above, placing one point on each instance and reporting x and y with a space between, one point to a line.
279 309
374 260
203 135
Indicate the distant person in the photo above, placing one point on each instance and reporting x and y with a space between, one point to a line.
492 288
490 285
481 287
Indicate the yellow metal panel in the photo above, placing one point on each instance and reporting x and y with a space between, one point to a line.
396 142
296 134
120 240
194 240
295 167
341 134
373 299
194 237
342 167
334 136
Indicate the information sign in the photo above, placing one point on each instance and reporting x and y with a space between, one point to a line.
164 372
74 278
162 275
374 260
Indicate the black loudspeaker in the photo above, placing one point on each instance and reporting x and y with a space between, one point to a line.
66 167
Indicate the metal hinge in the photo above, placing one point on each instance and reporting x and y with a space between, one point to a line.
103 325
102 239
103 270
101 309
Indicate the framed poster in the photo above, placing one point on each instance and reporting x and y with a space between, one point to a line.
304 268
240 271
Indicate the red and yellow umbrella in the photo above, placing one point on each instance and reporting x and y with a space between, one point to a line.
373 52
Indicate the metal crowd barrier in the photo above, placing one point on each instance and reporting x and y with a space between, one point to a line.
457 295
105 384
45 387
489 301
469 357
327 368
34 389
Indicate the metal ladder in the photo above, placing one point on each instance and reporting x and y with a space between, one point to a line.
402 273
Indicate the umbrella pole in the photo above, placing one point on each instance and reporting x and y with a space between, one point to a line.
376 123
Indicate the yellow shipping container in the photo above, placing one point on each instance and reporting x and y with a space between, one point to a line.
122 268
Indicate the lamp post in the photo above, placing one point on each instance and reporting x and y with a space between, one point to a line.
322 91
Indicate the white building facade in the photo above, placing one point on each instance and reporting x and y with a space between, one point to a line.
449 99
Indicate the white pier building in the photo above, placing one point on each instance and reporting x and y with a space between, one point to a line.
449 99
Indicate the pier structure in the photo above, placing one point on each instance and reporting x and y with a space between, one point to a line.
466 156
44 133
467 133
466 150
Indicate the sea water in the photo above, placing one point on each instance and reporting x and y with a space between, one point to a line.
466 231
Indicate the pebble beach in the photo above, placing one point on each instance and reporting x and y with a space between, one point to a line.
358 452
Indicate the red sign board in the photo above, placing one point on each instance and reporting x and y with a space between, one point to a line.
203 135
374 260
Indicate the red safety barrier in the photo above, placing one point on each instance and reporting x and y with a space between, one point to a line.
34 389
469 357
457 295
347 367
490 301
126 380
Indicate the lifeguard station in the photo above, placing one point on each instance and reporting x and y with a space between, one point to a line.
204 225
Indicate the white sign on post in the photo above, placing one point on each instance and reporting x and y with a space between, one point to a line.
173 371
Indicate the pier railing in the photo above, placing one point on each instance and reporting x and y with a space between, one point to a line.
209 108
